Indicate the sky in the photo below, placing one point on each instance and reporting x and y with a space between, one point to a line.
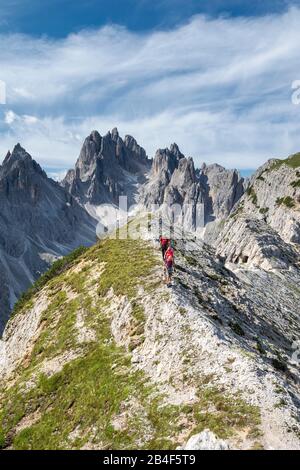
213 76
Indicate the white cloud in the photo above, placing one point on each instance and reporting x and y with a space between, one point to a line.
9 117
220 88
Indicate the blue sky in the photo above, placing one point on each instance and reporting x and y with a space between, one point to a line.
214 76
58 18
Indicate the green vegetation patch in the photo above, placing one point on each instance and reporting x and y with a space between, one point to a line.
90 390
278 364
224 414
264 210
287 201
252 194
87 395
295 184
260 347
59 333
191 261
127 263
293 162
58 267
236 328
261 178
238 211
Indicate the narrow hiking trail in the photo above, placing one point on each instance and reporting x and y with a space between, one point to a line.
105 356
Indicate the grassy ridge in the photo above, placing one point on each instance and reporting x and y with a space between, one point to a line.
56 269
293 162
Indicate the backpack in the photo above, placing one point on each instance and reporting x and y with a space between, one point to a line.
163 242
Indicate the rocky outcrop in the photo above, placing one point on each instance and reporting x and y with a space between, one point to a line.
39 221
165 162
250 241
222 190
173 182
264 227
273 195
107 167
206 440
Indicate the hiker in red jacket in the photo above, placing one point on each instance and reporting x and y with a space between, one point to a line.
164 242
169 262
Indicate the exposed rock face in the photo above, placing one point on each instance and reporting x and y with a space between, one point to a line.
206 440
253 242
222 190
274 196
264 228
164 164
107 168
39 221
174 180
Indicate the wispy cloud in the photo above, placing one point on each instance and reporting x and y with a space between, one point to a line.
219 87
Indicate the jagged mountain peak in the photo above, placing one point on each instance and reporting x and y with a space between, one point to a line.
186 167
19 149
19 166
94 136
211 166
217 168
107 167
19 153
174 179
175 150
6 159
114 132
166 160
